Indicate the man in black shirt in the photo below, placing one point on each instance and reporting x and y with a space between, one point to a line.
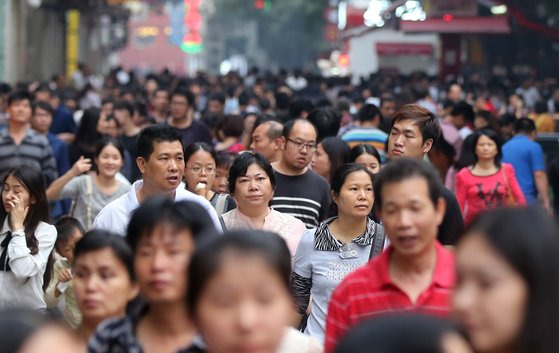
413 132
123 112
182 118
300 192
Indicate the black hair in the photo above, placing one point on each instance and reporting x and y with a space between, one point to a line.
19 96
87 134
341 173
208 258
199 146
524 126
397 333
160 210
220 97
225 159
298 106
97 239
231 125
527 240
190 99
65 228
424 119
368 112
541 107
124 105
494 136
21 324
282 100
363 148
106 141
465 110
159 89
240 166
288 126
506 119
326 120
154 134
404 169
44 106
337 151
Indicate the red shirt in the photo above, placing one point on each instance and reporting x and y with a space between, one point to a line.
369 291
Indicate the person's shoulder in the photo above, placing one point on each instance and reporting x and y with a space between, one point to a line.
315 177
47 230
288 219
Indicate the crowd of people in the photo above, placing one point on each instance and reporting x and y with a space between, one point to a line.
247 214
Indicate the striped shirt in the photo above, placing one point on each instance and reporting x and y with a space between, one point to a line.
34 151
371 136
369 291
305 197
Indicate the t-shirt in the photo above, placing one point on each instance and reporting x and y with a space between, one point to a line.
453 223
526 156
478 193
196 132
76 189
305 196
130 144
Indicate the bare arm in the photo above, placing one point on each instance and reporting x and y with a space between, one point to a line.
81 166
540 178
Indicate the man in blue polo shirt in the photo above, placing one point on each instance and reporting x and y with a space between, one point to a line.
527 158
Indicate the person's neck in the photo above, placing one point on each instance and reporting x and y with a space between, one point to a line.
160 116
485 164
105 181
86 330
17 131
284 168
169 319
348 228
130 129
182 122
257 216
415 265
146 191
369 124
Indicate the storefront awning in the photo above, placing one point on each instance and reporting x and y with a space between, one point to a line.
458 25
403 49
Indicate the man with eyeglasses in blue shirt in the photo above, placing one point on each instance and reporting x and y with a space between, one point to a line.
300 192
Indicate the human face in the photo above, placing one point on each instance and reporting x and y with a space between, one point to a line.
103 286
356 195
20 111
164 168
261 143
321 162
41 120
406 140
369 161
253 190
51 338
67 249
109 161
490 297
410 218
161 264
480 123
215 107
243 313
179 107
161 101
14 190
107 125
486 149
200 168
388 109
221 181
121 116
299 158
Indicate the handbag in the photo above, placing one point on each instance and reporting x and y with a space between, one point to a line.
509 198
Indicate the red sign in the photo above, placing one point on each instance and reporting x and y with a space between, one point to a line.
404 49
438 8
498 24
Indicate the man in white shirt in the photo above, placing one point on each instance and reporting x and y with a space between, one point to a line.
161 163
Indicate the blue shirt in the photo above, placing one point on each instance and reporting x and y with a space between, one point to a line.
527 157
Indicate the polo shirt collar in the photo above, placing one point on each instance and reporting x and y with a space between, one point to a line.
131 200
325 241
443 276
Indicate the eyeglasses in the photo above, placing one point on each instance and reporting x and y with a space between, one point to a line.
198 170
300 145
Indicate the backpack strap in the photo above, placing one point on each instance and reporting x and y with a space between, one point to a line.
378 241
221 204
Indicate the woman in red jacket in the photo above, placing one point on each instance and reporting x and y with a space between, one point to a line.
487 183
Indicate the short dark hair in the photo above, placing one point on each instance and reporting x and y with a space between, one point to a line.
208 258
162 210
240 166
190 99
299 105
124 105
19 96
220 97
406 168
44 106
155 133
363 148
524 126
97 239
225 159
465 110
288 126
231 125
368 112
527 240
106 141
341 173
424 119
337 151
159 89
326 120
494 136
275 129
423 334
199 146
65 227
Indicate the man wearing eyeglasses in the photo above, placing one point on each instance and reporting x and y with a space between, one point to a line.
300 192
